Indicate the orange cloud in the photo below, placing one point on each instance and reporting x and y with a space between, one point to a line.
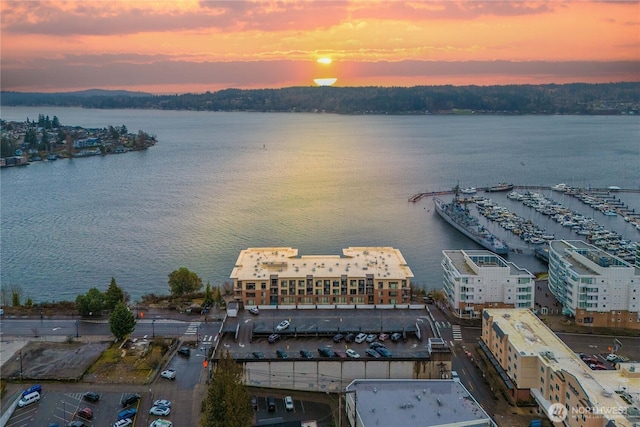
91 36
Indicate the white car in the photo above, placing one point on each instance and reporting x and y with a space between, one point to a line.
169 374
360 338
161 423
162 402
126 422
283 325
613 357
288 403
254 310
160 410
352 353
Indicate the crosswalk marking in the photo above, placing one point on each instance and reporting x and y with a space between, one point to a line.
207 338
457 333
192 329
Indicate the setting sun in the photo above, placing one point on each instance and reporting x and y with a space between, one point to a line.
324 60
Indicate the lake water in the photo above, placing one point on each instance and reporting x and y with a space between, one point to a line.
217 183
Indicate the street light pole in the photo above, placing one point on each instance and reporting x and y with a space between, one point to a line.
153 328
77 330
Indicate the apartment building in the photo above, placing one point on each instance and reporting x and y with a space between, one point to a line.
361 275
597 288
535 364
479 279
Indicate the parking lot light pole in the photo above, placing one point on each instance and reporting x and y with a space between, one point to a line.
153 328
77 326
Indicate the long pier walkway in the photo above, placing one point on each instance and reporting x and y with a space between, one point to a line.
597 191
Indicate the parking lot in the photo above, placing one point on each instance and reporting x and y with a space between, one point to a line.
305 407
311 330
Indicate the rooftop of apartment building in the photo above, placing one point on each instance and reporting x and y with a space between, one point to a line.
416 402
470 262
529 336
381 262
595 261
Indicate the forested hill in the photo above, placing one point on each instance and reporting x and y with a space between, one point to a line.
577 98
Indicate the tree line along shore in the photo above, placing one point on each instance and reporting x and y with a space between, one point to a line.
573 98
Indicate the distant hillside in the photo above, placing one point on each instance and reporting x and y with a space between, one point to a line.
62 98
576 98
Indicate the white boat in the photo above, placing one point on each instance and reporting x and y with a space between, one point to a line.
469 190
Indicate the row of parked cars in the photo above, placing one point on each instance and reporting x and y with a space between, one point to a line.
350 337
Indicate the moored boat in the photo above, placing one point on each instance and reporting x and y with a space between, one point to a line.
503 186
461 219
469 190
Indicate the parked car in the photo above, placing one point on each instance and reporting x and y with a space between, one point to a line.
383 337
282 354
396 336
161 423
612 357
169 374
372 353
375 345
258 354
597 367
371 337
283 325
360 338
274 338
338 337
352 353
184 351
288 403
325 351
85 413
126 422
29 399
91 396
127 413
349 337
383 351
162 402
271 404
160 410
32 389
254 310
76 423
254 402
129 399
340 354
306 354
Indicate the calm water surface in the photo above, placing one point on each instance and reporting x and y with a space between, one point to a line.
217 183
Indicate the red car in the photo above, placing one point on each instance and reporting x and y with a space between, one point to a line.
85 413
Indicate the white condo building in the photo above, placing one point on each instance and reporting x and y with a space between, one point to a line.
595 287
478 279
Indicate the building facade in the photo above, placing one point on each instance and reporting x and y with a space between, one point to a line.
535 364
595 287
479 279
362 275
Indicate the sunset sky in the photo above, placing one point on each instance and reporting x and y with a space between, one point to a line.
180 46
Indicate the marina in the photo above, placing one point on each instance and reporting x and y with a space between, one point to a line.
553 219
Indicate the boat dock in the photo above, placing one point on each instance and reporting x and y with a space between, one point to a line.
600 192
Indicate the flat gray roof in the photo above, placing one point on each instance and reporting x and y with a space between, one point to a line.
428 403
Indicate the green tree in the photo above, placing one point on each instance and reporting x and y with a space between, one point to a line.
113 295
208 296
90 303
227 402
121 321
182 281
